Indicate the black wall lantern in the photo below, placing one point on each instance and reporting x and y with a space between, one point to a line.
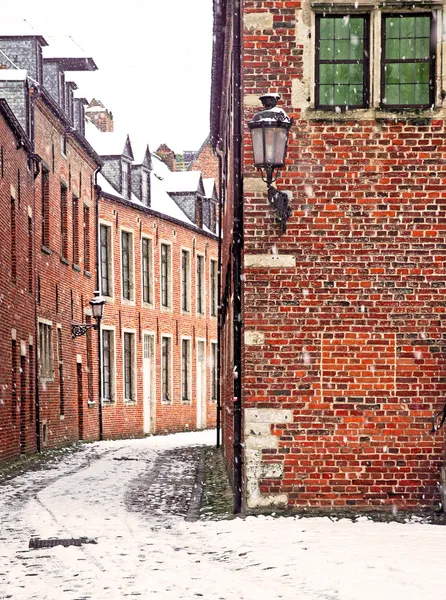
270 129
97 307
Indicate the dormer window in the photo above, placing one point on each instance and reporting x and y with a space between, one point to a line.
145 188
125 183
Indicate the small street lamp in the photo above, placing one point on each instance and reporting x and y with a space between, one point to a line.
270 129
97 307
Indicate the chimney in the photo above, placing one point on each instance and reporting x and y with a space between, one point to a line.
99 116
167 156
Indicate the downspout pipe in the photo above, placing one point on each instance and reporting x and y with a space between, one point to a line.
36 165
237 250
97 190
219 154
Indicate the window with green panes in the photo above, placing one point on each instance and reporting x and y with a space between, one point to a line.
342 61
408 61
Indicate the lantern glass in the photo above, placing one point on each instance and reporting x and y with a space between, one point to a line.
257 145
97 307
275 145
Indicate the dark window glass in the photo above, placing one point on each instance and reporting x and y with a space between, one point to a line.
341 61
128 367
408 66
200 276
185 360
75 230
126 265
45 198
107 358
185 280
165 295
165 358
146 270
105 260
86 238
63 221
214 358
213 288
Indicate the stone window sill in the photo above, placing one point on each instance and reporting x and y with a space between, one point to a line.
46 250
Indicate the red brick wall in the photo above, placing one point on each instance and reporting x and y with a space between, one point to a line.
353 332
16 302
121 419
207 163
65 288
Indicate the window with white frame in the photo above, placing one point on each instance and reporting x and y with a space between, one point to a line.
105 238
108 365
185 280
46 351
186 385
214 288
127 265
165 268
200 284
147 279
403 74
214 371
166 375
129 367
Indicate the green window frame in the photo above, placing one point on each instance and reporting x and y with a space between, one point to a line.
342 61
408 60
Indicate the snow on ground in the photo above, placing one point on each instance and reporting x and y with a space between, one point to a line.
157 554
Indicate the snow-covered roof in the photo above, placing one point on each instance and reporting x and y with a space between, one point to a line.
163 203
13 74
106 143
19 27
140 150
160 167
209 186
183 181
92 109
69 53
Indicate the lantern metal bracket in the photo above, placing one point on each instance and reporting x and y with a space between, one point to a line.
78 330
280 201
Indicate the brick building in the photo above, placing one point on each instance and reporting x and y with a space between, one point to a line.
157 267
158 270
342 355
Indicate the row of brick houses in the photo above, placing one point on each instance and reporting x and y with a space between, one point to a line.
338 350
83 210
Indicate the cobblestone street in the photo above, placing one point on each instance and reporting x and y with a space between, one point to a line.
138 504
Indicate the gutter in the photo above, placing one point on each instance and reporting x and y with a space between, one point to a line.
97 190
237 250
219 154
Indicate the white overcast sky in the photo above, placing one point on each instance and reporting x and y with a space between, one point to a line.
153 58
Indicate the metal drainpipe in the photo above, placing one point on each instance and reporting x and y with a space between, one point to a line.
220 218
98 282
36 164
237 246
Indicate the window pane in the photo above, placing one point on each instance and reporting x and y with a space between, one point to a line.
407 94
393 27
407 49
356 49
326 73
356 95
342 48
326 50
341 73
356 74
423 27
392 94
342 28
422 94
357 28
327 28
407 73
392 73
341 94
422 73
422 48
392 48
407 27
326 95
